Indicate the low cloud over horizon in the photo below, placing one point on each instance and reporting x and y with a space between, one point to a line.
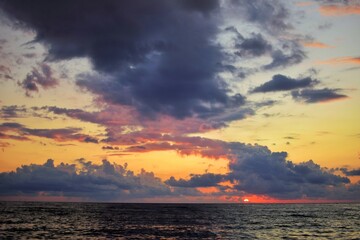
253 169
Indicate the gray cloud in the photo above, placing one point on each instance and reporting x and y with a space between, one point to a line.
16 131
203 6
257 170
41 76
282 60
101 182
5 72
110 148
354 172
158 56
254 169
254 46
12 111
196 180
270 15
339 2
317 95
283 83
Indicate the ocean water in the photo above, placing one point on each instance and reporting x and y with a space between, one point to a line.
39 220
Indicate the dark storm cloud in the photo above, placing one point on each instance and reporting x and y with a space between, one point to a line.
105 181
200 5
158 56
283 83
58 134
197 180
41 76
317 95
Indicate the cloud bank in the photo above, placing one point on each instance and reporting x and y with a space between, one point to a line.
253 169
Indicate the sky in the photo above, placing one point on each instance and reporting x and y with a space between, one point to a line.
180 101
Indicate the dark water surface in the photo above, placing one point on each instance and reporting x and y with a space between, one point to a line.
26 220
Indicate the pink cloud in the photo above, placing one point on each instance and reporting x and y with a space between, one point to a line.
341 60
339 10
316 45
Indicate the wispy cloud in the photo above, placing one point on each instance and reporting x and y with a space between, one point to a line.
341 60
339 10
304 4
316 45
16 131
39 76
318 95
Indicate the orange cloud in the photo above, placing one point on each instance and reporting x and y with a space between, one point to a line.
335 10
304 4
341 60
316 45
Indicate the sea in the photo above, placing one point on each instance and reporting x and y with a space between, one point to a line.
44 220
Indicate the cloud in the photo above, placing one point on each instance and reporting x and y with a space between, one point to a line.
121 121
282 60
197 180
257 170
4 145
271 15
283 83
336 10
110 148
59 134
88 181
317 95
354 172
203 6
41 76
123 116
5 72
339 7
13 111
316 45
254 46
304 4
341 60
272 18
254 169
159 57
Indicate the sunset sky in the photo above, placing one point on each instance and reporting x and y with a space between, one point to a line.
180 101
